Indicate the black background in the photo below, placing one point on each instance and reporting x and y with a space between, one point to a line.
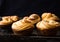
26 7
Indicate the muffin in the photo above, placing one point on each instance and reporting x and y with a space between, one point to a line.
47 28
25 26
6 22
50 16
22 27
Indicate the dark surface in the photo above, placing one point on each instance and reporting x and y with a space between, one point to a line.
8 36
13 38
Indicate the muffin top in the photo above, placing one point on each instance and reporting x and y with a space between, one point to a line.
50 24
12 18
8 20
50 16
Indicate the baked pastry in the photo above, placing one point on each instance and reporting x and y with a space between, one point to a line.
50 16
11 18
47 28
26 25
22 27
34 18
7 20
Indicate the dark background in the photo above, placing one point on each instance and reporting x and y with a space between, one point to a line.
26 7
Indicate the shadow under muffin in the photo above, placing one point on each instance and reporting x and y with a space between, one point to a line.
6 28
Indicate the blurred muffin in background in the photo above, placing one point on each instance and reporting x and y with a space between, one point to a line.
6 22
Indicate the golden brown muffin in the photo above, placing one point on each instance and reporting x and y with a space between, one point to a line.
22 27
50 16
25 25
48 28
7 20
34 18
